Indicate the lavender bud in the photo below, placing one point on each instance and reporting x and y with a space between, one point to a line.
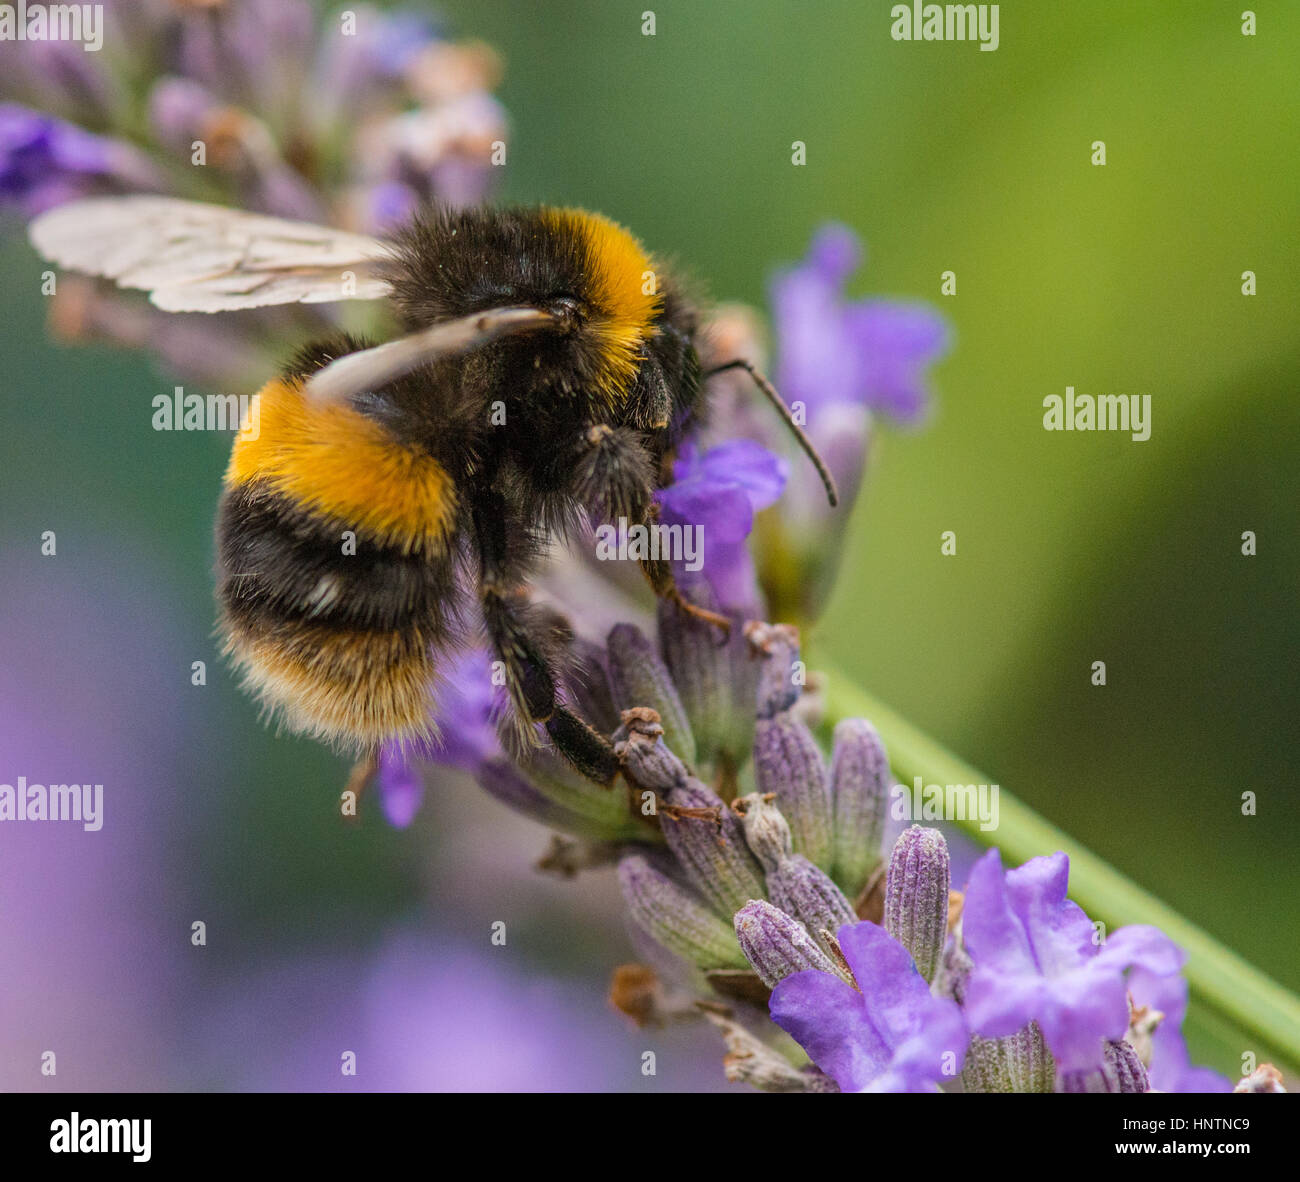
675 918
711 849
788 764
501 779
766 831
802 890
794 884
954 969
916 896
1020 1062
779 683
639 743
777 945
588 683
860 783
1121 1071
551 792
715 681
638 677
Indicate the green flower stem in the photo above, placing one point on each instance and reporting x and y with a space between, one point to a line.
1220 980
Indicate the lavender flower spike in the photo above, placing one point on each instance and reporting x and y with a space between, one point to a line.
892 1036
1035 959
916 896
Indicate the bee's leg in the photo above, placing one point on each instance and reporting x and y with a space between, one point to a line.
613 474
659 574
521 638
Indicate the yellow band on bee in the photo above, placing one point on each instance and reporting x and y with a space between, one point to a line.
624 289
334 461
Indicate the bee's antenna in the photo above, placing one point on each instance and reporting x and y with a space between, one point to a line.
368 369
776 400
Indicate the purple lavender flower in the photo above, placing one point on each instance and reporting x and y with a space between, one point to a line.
1036 958
893 1036
720 490
838 363
871 353
467 704
44 160
1170 1069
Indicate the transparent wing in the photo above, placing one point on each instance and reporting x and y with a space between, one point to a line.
193 257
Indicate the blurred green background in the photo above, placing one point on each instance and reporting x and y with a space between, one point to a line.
1072 548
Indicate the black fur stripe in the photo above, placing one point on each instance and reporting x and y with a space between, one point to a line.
279 564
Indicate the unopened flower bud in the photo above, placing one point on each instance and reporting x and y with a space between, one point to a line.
1121 1071
501 779
779 680
706 837
860 783
715 680
789 765
776 944
1020 1062
600 813
638 677
588 683
809 894
645 755
794 884
766 830
916 896
675 918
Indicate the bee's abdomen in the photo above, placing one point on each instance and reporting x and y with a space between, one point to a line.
336 570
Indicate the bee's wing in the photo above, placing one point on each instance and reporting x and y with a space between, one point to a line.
193 257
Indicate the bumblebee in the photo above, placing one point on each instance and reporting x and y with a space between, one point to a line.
547 373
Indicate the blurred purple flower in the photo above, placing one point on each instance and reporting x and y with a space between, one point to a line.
1171 1069
466 706
720 490
390 204
1036 959
893 1036
44 160
397 39
870 353
348 118
92 968
431 1012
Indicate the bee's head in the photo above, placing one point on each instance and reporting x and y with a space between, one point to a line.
588 272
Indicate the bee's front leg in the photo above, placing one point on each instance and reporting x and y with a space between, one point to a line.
525 643
613 474
659 574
